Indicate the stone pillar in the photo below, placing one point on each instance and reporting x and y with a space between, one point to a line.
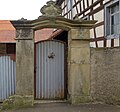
24 62
79 65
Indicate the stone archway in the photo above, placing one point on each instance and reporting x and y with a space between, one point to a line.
78 52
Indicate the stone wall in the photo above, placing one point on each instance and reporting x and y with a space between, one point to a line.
79 66
25 62
105 74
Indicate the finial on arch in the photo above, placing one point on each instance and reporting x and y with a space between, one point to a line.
51 9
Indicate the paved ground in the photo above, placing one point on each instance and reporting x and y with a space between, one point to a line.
65 107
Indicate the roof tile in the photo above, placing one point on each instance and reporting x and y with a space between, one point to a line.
8 33
6 25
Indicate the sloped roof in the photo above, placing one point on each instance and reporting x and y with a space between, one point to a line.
6 25
8 33
43 34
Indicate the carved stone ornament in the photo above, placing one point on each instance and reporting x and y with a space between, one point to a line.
24 34
51 9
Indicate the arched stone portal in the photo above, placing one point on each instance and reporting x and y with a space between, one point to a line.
78 52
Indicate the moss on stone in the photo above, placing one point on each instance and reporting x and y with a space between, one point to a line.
81 99
16 101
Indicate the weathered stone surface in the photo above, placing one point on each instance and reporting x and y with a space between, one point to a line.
105 75
79 44
78 30
25 66
24 33
51 9
80 99
79 65
80 55
59 23
80 79
82 33
17 101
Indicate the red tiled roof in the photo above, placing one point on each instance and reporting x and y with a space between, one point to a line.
6 25
43 34
7 36
8 33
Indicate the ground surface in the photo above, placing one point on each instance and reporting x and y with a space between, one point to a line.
65 107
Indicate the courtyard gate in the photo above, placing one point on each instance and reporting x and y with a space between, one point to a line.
7 77
50 68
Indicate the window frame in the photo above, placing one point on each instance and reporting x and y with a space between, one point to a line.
69 5
107 20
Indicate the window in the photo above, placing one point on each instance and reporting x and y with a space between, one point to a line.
69 5
69 9
112 19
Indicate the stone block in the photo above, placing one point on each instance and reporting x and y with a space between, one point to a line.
17 101
85 73
71 78
25 67
24 33
81 99
79 79
81 33
80 55
80 44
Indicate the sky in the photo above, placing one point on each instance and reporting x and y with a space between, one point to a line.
16 9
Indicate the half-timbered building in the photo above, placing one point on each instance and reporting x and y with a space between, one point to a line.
39 63
105 33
